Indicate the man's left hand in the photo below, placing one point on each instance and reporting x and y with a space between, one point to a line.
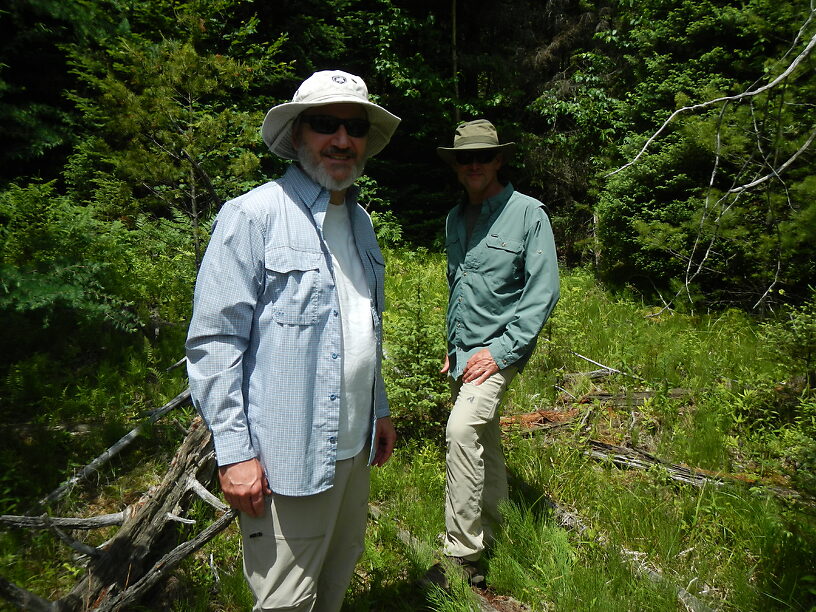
479 368
384 438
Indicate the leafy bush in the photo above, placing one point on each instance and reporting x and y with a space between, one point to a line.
415 342
56 255
793 338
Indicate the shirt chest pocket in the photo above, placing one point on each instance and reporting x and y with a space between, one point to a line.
500 252
292 289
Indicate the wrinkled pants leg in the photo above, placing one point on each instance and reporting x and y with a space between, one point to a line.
476 476
301 554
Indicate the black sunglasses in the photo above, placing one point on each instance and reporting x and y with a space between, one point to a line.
327 124
481 156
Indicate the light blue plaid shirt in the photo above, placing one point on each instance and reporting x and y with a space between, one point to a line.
264 348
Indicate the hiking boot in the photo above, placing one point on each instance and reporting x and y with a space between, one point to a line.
438 573
475 576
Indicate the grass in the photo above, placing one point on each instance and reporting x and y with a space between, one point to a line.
741 414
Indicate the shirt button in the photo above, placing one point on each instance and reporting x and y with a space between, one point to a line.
335 355
335 313
333 397
332 439
464 273
504 244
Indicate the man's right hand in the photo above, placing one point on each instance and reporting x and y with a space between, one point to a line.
244 485
446 366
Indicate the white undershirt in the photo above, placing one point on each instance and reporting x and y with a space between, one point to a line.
359 343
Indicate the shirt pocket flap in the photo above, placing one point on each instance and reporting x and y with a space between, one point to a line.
286 260
504 244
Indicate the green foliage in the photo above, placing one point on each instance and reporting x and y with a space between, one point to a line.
688 219
55 255
168 134
157 106
415 346
386 225
35 119
793 336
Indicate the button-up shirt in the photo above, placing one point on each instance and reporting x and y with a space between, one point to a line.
264 347
503 281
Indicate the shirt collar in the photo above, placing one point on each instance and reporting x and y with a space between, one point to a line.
492 204
498 200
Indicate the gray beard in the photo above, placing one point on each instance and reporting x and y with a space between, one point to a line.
315 170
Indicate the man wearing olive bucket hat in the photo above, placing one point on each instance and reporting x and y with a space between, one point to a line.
285 344
503 282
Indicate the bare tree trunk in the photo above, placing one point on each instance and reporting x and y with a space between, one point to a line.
455 62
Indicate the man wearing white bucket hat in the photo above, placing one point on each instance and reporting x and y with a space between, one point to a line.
285 345
503 280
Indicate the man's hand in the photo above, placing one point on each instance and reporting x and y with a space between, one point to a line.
384 438
446 365
244 485
479 368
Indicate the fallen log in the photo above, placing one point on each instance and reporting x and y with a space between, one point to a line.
144 537
70 522
631 398
624 457
634 458
24 600
165 565
572 522
540 419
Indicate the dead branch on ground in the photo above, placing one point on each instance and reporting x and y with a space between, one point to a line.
61 491
123 569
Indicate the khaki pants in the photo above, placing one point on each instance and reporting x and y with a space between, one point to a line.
476 477
301 554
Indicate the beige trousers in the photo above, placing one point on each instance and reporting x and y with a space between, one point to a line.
301 554
476 477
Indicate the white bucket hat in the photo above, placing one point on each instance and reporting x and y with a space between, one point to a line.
320 89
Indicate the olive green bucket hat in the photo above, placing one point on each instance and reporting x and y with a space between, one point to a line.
474 135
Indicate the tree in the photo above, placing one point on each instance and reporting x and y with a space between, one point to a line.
722 204
172 124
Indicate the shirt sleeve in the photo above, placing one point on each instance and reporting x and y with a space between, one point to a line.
229 282
538 297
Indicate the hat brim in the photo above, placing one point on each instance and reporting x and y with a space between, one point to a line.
277 125
448 154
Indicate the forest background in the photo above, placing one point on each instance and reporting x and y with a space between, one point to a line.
126 124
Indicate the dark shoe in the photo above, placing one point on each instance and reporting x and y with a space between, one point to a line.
438 573
473 573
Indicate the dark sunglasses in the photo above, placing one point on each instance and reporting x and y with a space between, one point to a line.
481 156
326 124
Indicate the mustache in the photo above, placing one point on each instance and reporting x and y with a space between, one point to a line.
332 150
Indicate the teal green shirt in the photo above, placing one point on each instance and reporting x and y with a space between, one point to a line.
503 282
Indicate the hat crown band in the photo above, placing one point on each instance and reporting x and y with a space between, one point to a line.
480 139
